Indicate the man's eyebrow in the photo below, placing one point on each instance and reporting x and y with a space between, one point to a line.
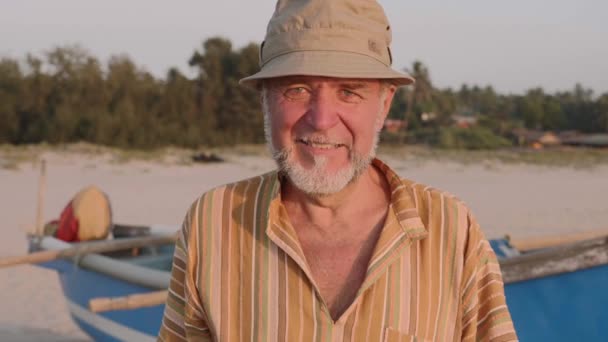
353 85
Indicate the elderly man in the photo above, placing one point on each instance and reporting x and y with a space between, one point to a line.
334 245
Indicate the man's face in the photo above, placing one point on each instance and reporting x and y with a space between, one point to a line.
323 131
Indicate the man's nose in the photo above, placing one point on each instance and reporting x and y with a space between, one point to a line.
323 111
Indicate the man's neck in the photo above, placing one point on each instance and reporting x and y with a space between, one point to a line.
331 212
338 234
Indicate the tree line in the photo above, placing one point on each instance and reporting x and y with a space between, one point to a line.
67 95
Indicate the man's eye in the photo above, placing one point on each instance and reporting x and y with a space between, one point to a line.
297 93
349 96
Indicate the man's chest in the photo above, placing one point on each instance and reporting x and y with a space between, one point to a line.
338 271
338 262
266 290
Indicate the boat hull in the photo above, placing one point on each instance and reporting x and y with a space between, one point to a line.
561 307
566 307
81 285
125 273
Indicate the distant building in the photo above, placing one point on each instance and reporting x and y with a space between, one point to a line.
565 136
599 140
464 121
395 125
535 139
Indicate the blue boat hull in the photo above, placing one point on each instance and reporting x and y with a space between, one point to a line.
81 285
565 307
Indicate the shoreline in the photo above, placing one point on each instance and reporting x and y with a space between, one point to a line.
13 156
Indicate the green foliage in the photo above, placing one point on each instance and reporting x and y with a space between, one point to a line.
10 92
476 138
228 113
398 138
67 95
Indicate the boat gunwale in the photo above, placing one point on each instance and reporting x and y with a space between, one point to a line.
556 260
116 268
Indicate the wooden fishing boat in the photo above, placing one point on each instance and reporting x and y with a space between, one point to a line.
110 275
554 293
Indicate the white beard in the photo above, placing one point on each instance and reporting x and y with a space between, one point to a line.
316 181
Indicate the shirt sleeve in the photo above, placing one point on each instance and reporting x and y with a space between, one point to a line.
485 316
184 317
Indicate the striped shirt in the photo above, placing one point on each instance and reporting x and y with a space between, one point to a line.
239 273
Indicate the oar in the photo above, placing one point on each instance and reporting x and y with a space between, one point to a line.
130 302
528 244
87 248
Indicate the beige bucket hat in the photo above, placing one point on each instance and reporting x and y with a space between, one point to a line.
332 38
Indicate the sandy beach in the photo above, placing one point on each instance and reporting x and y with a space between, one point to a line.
507 198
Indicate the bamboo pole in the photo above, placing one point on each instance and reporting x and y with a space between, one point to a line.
130 302
88 248
41 193
524 245
551 261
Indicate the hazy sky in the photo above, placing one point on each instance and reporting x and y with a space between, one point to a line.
511 45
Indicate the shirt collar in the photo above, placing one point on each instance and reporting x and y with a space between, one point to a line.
403 203
402 225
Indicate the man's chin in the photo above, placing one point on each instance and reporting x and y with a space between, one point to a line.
318 180
319 176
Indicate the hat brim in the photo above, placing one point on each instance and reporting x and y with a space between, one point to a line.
338 64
